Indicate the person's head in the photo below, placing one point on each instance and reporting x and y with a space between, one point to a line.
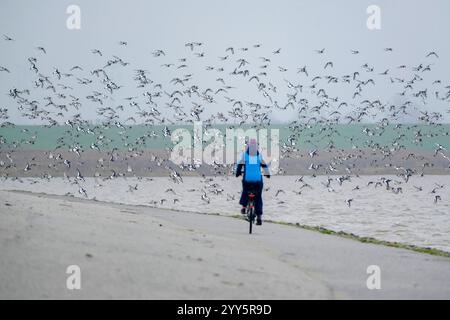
252 147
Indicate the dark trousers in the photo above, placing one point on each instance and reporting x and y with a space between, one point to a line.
257 188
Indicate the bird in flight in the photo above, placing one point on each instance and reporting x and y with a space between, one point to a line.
349 202
329 63
7 38
231 49
96 51
432 53
41 49
277 51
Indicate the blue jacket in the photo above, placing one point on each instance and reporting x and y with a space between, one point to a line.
253 164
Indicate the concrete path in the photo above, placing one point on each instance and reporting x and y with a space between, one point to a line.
144 253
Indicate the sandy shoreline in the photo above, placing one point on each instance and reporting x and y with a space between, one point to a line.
129 251
154 163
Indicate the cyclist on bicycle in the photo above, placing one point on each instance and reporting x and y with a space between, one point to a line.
252 160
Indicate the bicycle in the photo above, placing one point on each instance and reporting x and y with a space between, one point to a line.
250 210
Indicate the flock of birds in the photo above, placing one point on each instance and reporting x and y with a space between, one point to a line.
245 86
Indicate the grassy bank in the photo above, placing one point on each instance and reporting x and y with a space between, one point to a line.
432 251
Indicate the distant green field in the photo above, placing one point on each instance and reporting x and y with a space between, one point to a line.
151 136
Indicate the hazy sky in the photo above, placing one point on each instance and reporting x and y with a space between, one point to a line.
412 28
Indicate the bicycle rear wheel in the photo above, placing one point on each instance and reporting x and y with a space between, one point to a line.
251 217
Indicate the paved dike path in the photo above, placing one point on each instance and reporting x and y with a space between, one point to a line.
138 252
